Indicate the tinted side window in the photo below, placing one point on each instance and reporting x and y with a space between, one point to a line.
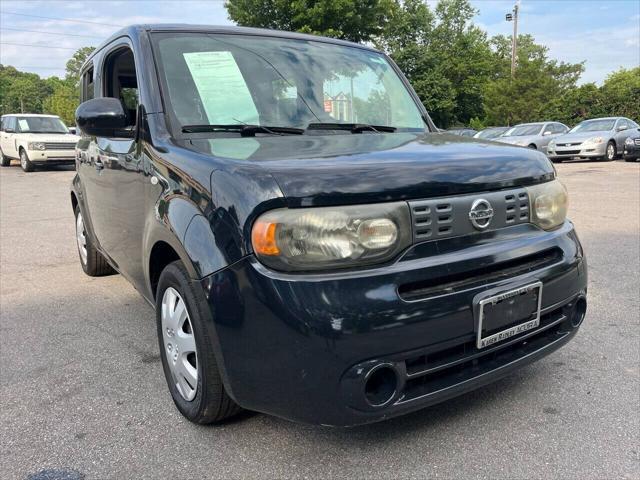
120 81
87 85
10 122
2 121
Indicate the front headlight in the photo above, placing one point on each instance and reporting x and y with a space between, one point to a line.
551 145
331 237
594 140
628 141
549 202
36 146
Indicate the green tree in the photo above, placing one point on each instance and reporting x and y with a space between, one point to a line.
620 93
74 64
355 20
539 83
444 55
63 101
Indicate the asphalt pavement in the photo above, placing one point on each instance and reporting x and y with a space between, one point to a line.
82 393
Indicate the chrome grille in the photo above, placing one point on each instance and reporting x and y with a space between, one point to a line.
449 217
59 146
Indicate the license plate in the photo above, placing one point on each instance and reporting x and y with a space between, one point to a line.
508 313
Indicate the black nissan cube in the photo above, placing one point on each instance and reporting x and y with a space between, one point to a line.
313 246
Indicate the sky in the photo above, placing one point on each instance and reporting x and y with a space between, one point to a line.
603 34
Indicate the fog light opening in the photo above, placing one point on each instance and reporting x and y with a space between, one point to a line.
381 385
579 312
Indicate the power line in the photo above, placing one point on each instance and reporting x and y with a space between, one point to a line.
37 46
35 67
51 33
60 19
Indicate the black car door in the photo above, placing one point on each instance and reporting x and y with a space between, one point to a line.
115 178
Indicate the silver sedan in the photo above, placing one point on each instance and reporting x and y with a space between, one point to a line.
600 138
533 135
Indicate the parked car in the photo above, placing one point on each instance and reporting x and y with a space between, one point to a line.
600 138
463 132
631 151
533 135
491 133
302 263
35 140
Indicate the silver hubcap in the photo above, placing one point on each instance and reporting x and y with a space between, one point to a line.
81 237
179 344
610 151
23 160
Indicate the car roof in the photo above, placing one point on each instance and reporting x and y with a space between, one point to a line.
136 30
30 115
603 118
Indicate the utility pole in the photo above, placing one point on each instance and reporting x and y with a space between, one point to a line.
514 43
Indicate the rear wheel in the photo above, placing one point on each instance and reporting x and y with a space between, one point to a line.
190 367
610 152
92 261
532 146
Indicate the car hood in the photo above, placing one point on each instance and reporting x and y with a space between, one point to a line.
519 140
50 137
360 168
581 136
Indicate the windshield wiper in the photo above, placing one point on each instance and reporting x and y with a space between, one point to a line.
352 127
245 130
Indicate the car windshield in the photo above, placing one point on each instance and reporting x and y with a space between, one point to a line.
41 125
521 130
225 80
593 126
490 133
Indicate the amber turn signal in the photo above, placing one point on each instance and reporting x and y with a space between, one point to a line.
263 238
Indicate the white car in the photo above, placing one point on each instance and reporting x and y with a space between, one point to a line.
35 140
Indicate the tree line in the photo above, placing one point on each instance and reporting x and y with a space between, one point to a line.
462 76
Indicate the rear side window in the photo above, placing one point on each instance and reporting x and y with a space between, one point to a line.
88 85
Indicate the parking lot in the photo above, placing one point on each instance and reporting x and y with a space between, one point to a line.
82 389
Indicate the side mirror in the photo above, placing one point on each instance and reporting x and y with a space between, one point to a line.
103 117
548 132
621 128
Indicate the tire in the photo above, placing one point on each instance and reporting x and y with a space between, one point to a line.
610 152
202 399
532 146
4 161
91 260
25 163
630 159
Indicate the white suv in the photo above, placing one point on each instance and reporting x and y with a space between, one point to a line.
35 140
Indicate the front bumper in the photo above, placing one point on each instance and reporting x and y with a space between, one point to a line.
302 346
52 157
573 151
631 152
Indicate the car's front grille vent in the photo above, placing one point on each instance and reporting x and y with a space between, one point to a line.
482 275
636 141
517 207
59 146
568 144
570 152
450 217
432 220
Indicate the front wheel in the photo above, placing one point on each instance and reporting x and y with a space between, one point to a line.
610 152
190 367
25 163
4 160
